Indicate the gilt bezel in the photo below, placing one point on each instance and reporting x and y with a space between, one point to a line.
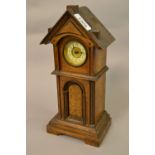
82 43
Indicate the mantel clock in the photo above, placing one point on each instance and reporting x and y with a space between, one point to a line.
80 44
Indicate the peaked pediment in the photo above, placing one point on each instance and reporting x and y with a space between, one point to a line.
97 32
70 27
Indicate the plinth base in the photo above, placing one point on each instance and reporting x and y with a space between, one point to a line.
90 135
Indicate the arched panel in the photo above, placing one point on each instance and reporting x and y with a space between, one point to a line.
74 101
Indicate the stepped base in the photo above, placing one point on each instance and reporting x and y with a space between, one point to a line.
90 135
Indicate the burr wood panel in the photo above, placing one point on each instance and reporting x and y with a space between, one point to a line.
75 101
75 92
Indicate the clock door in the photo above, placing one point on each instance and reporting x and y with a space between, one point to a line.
74 102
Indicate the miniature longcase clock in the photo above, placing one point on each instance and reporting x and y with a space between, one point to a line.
80 44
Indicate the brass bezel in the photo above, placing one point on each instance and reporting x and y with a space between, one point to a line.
82 43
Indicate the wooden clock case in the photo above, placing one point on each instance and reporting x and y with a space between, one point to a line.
80 90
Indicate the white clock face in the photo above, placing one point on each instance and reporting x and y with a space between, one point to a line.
75 53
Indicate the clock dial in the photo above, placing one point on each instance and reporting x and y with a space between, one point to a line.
75 53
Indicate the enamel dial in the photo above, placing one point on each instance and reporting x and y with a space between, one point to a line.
75 53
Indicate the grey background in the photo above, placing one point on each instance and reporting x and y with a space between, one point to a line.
41 86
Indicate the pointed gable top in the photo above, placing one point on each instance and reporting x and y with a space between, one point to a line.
95 30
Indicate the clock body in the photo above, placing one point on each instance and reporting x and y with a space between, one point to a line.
81 94
80 69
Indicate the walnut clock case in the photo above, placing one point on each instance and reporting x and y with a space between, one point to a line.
80 44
